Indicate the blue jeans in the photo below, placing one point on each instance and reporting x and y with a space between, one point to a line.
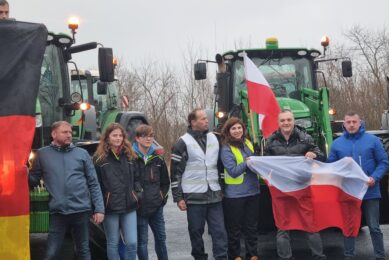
157 225
59 224
197 214
371 212
126 223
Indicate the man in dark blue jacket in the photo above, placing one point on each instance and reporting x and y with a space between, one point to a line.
368 151
70 179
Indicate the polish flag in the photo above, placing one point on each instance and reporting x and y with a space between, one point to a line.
261 98
310 195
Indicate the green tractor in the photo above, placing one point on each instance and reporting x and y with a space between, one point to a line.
294 76
104 99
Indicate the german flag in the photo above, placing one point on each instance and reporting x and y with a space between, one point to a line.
22 47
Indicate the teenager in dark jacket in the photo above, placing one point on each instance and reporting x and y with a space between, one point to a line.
155 181
119 184
289 140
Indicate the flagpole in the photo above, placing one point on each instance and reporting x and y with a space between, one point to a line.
252 127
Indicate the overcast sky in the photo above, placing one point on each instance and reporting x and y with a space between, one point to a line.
161 30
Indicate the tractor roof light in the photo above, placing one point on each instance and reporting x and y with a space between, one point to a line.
325 41
115 61
73 25
272 43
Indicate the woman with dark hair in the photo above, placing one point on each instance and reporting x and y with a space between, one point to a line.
119 184
241 190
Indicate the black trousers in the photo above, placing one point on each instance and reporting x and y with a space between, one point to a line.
241 217
212 214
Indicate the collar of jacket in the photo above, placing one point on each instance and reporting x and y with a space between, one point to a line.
296 132
145 157
64 149
196 134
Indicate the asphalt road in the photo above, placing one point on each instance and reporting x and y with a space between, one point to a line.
179 244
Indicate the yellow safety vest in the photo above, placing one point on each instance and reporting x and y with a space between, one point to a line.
239 159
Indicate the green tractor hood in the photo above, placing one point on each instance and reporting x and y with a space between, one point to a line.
299 109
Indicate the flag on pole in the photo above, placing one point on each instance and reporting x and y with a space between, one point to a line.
310 195
22 47
261 98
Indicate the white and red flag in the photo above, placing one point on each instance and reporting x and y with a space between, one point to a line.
310 195
261 98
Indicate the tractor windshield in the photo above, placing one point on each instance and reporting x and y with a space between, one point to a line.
286 76
109 100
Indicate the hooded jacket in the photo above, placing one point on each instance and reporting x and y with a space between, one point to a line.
154 179
119 183
368 151
70 179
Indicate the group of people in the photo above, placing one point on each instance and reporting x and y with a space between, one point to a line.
125 186
224 193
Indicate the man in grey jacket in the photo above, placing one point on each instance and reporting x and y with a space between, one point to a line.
70 178
195 182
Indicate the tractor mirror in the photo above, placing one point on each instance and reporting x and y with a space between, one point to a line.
102 88
106 66
347 70
200 71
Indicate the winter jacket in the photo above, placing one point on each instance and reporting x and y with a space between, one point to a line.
368 151
70 179
154 179
119 183
177 168
299 143
250 185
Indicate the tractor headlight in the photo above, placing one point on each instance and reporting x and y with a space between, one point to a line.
304 122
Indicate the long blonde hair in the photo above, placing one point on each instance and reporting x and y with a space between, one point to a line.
103 148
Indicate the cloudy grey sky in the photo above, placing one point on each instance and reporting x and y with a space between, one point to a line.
162 30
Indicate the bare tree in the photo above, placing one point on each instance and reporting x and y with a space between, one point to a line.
365 92
196 93
126 85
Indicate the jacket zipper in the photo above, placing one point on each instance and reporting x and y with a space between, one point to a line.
135 197
106 202
152 174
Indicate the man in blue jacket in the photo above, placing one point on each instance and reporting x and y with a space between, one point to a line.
368 151
70 179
